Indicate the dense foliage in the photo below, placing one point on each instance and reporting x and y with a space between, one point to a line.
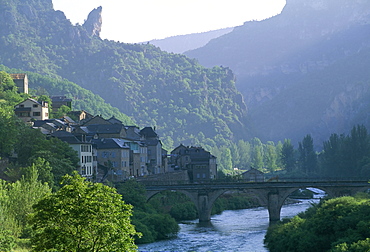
83 99
152 223
184 100
26 147
340 224
16 200
82 216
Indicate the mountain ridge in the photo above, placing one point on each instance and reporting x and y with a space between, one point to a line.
278 60
183 43
184 100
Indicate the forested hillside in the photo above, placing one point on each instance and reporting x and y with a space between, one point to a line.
185 101
82 98
302 71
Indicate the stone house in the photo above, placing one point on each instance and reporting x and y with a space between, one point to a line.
21 81
113 157
60 100
81 116
87 167
156 163
32 110
200 164
253 175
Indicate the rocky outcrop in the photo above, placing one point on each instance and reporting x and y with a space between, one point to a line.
93 23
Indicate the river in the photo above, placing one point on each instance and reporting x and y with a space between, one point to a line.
231 231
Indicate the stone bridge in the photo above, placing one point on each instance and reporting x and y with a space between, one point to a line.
270 194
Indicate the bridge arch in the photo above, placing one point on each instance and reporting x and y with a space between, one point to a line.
270 194
202 199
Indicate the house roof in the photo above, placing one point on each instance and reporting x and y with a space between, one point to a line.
32 100
60 98
151 142
56 122
253 170
110 143
114 120
104 128
148 132
133 133
18 76
66 137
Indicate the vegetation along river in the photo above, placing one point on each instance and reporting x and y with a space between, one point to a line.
236 230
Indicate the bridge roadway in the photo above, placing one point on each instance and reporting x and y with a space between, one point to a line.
270 194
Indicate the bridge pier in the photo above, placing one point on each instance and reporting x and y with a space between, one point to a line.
274 206
204 208
271 195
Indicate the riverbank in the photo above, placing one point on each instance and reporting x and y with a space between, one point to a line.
232 230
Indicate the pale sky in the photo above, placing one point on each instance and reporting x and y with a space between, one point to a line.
133 21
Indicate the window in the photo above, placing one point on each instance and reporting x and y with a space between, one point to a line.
36 114
35 105
83 170
21 106
113 154
85 148
24 114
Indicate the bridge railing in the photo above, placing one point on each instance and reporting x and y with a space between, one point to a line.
228 181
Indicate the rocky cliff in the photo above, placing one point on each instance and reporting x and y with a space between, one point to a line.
94 22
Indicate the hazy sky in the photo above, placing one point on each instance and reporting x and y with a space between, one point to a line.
132 21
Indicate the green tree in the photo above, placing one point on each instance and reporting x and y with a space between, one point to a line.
8 130
340 224
287 156
6 82
7 241
257 153
62 111
244 149
16 200
332 156
22 194
82 216
307 156
270 156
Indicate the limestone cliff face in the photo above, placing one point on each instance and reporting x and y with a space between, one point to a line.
94 22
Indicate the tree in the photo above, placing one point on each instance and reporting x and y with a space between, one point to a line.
270 156
16 200
340 224
62 111
6 82
8 130
82 216
244 149
307 156
257 153
287 155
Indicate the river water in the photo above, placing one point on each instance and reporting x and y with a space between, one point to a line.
231 231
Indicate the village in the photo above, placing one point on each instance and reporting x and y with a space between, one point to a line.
108 150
